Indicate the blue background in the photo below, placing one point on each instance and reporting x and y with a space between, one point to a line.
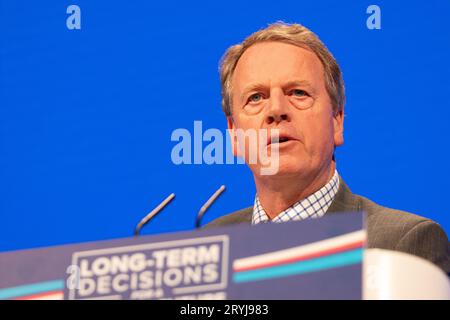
86 115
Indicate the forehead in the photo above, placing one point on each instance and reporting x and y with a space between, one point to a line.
273 63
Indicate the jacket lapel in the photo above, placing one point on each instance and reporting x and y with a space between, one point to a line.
345 200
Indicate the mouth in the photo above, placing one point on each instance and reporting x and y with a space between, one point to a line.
281 139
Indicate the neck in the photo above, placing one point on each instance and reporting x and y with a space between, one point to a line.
279 193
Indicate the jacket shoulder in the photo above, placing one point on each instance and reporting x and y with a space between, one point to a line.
406 232
387 226
240 216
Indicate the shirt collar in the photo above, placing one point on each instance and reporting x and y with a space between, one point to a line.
313 206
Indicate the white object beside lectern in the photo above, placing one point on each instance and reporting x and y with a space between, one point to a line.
392 275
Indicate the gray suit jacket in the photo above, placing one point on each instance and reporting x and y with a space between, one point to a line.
387 228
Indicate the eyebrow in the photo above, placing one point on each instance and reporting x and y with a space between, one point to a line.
290 83
302 83
251 87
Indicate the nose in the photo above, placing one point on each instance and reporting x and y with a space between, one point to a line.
278 109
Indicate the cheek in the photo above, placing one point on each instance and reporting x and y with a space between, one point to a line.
248 136
317 133
244 121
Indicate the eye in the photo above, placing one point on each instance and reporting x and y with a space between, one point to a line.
298 93
254 98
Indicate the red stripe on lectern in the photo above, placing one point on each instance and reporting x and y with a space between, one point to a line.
40 295
303 257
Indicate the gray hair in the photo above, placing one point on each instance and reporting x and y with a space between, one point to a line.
295 34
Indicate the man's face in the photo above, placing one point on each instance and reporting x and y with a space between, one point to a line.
281 86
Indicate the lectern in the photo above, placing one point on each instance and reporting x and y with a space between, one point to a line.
322 258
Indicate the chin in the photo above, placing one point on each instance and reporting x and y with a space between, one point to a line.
290 168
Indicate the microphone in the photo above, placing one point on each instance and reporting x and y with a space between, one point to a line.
152 213
207 205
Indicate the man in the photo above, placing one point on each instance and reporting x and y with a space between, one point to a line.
284 78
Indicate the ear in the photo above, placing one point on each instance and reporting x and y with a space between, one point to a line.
338 125
233 137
